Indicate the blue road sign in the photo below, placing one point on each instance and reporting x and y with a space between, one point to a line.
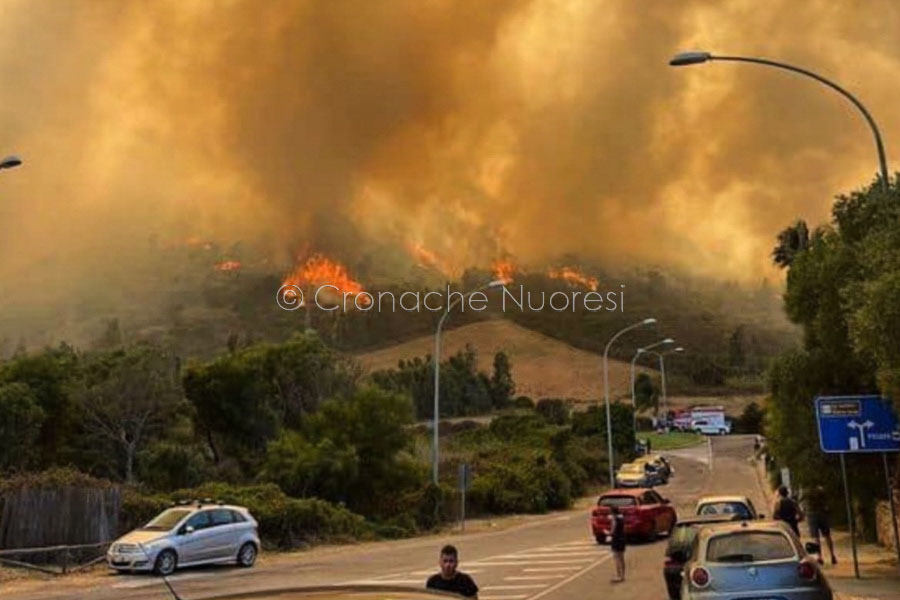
857 424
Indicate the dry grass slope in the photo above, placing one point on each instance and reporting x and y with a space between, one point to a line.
541 366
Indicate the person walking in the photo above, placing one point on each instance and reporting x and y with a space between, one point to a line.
786 509
817 517
449 579
617 543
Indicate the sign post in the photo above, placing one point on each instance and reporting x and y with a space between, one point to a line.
855 425
465 482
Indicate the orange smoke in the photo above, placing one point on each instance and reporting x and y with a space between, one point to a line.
228 265
320 270
429 259
574 277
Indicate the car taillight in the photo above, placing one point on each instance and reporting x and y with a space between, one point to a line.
806 571
672 563
700 577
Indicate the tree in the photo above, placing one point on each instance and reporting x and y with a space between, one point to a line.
736 353
553 410
791 241
646 392
21 418
502 386
127 396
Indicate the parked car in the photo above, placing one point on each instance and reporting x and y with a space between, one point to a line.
707 427
646 513
659 464
752 559
186 535
678 551
638 474
715 505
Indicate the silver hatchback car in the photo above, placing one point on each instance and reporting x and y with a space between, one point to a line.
751 559
185 535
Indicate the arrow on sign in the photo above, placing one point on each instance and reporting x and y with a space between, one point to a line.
861 427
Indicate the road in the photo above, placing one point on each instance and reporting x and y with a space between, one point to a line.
549 558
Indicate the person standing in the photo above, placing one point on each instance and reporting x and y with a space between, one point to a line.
449 579
817 516
786 509
617 542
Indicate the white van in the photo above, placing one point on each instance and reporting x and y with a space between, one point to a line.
711 426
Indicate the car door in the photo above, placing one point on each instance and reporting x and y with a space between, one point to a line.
223 537
650 507
191 545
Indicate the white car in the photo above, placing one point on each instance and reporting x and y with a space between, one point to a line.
186 535
711 427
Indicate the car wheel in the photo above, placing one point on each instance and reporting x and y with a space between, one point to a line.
165 563
247 555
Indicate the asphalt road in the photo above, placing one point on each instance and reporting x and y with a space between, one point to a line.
550 558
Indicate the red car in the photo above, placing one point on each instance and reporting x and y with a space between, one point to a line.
647 514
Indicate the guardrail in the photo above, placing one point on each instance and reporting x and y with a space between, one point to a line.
63 558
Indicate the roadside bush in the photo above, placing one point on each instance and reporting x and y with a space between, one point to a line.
169 466
751 420
553 410
523 402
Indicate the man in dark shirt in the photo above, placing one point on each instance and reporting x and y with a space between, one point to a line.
451 580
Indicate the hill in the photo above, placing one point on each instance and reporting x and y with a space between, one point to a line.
542 367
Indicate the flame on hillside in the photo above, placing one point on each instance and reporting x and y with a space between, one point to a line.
573 276
504 270
228 265
319 270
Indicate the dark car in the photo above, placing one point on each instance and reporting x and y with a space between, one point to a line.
678 551
646 513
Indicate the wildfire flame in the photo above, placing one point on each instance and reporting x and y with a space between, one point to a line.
429 259
228 265
320 270
504 270
574 277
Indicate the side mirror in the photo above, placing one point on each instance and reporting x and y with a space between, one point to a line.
813 548
186 530
666 501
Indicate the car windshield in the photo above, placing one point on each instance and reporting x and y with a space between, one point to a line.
617 501
167 520
749 546
725 508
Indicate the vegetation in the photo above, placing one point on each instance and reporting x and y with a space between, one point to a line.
842 289
672 440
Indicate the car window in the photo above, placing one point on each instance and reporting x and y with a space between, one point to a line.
725 508
237 517
648 498
199 521
682 539
618 501
749 546
220 516
751 507
657 499
168 519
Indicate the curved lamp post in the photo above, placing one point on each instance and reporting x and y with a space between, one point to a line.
633 360
695 58
10 162
437 367
648 321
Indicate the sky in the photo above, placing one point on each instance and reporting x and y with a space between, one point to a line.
473 130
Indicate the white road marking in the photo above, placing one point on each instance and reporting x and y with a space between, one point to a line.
549 555
571 578
532 577
507 563
530 586
551 569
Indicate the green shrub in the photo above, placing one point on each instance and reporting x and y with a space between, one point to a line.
523 402
169 466
553 410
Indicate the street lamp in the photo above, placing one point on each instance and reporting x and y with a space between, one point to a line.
636 355
695 58
662 370
10 161
437 367
648 321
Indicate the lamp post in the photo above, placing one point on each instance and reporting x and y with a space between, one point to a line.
647 321
10 162
662 371
695 58
437 368
633 395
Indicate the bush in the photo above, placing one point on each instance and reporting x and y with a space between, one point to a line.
169 466
751 420
553 410
523 402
